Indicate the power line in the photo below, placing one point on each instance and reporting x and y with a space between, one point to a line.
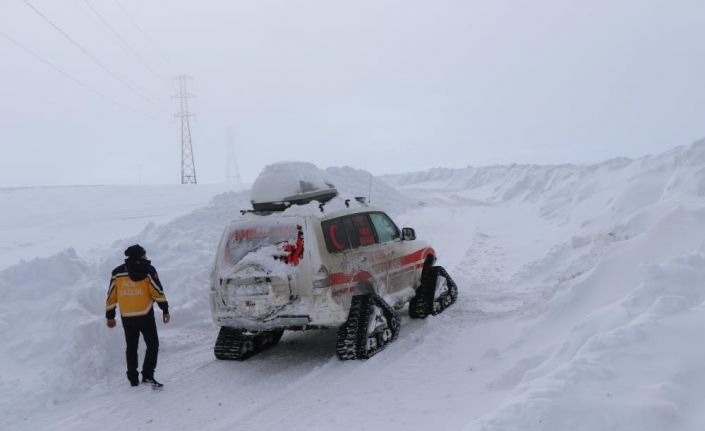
144 34
122 41
72 78
92 57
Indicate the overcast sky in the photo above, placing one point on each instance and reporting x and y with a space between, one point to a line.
387 86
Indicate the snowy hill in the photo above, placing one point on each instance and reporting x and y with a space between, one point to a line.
581 306
673 175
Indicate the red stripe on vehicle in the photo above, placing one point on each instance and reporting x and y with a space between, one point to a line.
362 276
412 258
416 258
340 278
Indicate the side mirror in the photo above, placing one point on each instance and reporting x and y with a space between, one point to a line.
408 234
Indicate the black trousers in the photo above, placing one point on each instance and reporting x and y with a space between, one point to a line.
134 326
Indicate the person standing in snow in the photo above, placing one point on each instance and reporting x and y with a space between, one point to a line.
134 287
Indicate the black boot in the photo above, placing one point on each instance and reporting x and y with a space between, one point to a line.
133 378
151 381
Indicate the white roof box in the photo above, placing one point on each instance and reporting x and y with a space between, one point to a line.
281 185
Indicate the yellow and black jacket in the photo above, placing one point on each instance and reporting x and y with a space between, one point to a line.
135 286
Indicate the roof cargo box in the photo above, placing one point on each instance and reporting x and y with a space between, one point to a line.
281 185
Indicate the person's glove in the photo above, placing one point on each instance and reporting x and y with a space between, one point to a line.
110 323
165 318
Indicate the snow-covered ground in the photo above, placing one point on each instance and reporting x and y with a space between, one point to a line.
582 298
41 221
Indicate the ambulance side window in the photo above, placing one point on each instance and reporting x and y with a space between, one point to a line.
385 227
335 235
359 230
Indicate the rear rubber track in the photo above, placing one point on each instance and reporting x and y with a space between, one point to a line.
236 344
352 342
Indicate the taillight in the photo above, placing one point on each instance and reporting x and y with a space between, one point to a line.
321 278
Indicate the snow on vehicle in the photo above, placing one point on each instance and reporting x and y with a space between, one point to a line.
305 259
280 185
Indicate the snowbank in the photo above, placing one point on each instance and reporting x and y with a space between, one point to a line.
611 311
627 364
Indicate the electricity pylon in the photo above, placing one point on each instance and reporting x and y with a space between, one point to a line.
188 166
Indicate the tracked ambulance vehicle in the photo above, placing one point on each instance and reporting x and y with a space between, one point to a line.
306 259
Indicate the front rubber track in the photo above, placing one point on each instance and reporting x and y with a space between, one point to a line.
425 302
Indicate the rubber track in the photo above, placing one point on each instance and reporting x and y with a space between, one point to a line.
230 342
352 335
422 304
452 287
346 345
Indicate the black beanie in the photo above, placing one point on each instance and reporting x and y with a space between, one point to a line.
135 251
